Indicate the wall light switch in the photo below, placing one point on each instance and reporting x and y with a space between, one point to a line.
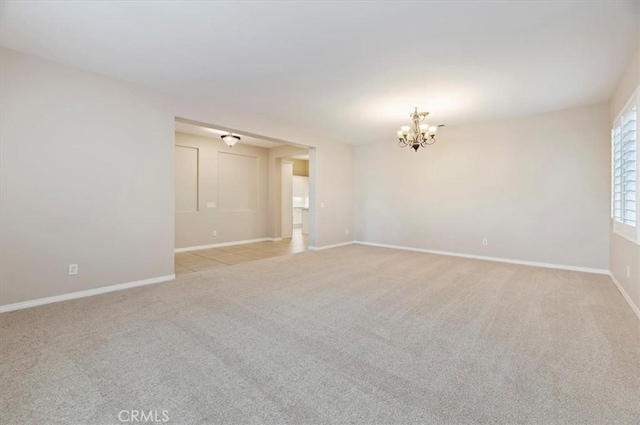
321 204
485 242
211 204
73 269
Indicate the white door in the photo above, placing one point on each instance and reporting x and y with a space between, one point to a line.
287 200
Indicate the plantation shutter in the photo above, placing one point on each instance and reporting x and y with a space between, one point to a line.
625 163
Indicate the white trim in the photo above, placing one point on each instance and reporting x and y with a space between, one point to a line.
625 231
83 294
336 245
626 296
219 245
631 233
496 259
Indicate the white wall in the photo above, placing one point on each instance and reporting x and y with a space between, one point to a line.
195 227
623 252
87 177
537 188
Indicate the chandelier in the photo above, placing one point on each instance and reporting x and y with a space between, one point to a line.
230 139
419 135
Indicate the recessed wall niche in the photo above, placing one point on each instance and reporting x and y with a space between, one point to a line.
237 182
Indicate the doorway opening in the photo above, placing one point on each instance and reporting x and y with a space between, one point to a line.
235 204
295 200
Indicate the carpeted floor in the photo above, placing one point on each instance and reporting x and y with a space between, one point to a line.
348 335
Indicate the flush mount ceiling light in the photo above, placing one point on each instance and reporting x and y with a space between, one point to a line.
230 139
419 135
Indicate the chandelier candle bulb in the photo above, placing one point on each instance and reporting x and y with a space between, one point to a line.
421 135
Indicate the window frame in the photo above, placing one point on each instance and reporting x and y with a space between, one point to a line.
627 231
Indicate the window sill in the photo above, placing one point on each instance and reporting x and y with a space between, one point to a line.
627 232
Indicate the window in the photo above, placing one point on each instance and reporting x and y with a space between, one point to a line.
624 147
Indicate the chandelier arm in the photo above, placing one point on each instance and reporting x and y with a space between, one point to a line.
416 137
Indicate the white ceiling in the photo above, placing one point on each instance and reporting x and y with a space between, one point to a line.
350 70
212 133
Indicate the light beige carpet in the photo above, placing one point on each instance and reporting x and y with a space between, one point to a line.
349 335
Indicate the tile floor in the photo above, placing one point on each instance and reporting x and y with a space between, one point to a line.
196 261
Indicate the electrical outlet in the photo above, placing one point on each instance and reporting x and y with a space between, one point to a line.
215 233
485 242
73 269
211 204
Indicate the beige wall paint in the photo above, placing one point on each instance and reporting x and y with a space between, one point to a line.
300 167
628 83
87 177
537 188
331 181
335 194
187 178
220 178
624 253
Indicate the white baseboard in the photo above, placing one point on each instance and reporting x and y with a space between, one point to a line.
83 294
336 245
496 259
626 296
219 245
